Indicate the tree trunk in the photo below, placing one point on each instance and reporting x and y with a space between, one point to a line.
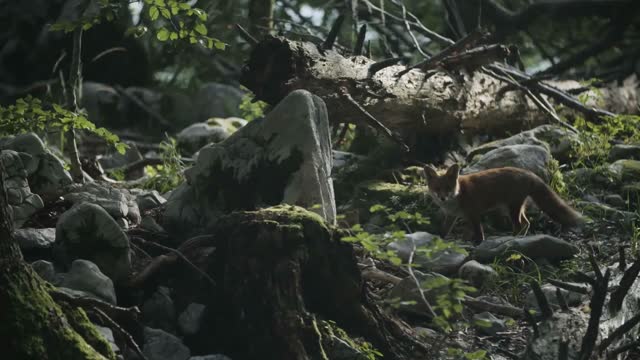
475 104
260 16
279 275
32 325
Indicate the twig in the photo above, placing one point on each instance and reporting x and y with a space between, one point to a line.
596 305
543 302
408 27
333 33
557 94
537 101
372 121
179 254
359 46
122 332
143 106
417 283
109 51
466 42
244 34
377 66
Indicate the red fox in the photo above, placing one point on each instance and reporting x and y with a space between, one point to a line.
470 196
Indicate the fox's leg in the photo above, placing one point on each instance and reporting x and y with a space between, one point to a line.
518 218
525 221
448 224
476 229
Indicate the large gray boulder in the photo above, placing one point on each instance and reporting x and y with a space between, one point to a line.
190 319
46 174
284 158
477 274
530 157
558 140
85 276
624 151
444 262
35 239
217 100
87 231
22 203
571 298
160 345
119 203
197 135
158 311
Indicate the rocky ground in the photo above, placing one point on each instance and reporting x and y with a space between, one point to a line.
216 268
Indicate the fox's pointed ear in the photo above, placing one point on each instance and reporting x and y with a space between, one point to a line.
430 172
454 170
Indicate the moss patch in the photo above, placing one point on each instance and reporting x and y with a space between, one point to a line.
32 325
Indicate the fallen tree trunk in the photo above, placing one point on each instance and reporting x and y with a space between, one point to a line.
476 103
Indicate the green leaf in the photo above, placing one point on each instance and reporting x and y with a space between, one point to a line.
163 34
154 12
58 109
201 29
377 207
173 36
219 44
201 14
165 13
121 148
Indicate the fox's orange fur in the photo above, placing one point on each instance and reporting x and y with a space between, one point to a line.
470 196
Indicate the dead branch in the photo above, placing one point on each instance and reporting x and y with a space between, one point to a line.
596 304
617 333
543 302
629 277
569 287
372 121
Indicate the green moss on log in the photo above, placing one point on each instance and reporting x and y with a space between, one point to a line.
33 326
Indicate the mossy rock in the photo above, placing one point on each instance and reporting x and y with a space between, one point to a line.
601 177
626 170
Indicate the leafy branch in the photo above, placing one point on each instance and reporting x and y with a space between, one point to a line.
29 115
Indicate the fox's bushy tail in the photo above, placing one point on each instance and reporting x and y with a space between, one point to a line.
552 204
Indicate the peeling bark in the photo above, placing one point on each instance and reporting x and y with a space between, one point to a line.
475 103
